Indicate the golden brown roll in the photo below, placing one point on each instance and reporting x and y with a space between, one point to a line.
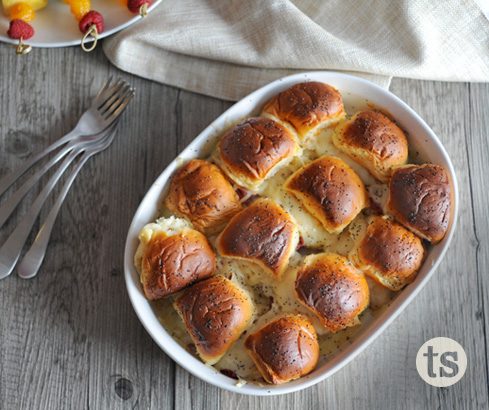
201 193
388 253
255 149
333 289
330 190
420 199
169 263
374 141
285 349
215 312
262 233
307 107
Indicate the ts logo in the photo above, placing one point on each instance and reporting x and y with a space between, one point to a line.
441 362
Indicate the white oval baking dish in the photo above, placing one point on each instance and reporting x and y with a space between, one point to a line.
421 139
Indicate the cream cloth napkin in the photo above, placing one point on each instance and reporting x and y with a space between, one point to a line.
228 48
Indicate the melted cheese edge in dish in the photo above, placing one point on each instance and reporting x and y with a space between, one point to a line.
272 297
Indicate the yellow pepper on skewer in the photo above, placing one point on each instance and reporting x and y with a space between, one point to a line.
79 7
22 11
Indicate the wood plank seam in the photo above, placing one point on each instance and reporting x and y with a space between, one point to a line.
480 293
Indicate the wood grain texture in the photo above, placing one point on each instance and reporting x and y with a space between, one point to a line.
70 339
478 158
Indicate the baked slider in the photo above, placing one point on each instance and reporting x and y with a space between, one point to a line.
330 191
215 312
308 107
200 192
263 233
374 141
285 349
172 256
420 199
388 253
254 150
333 289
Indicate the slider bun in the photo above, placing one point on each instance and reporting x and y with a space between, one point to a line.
255 149
333 289
420 199
307 107
262 233
201 193
388 253
215 312
374 141
169 260
285 349
330 190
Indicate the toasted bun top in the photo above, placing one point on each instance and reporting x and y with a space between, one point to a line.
330 190
201 193
284 349
375 141
263 233
215 312
171 263
307 105
333 289
250 150
391 253
420 199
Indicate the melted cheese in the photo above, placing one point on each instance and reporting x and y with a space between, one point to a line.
273 297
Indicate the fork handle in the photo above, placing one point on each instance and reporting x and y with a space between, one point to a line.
11 249
30 264
9 179
11 203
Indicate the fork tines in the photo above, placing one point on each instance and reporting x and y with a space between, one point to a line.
112 99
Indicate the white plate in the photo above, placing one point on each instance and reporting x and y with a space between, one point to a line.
55 26
421 139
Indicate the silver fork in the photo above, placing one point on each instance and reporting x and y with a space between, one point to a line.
106 107
32 260
13 201
12 248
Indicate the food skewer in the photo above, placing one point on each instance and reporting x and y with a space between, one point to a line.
21 13
139 6
90 22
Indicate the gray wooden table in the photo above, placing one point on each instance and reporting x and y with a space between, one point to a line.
69 339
